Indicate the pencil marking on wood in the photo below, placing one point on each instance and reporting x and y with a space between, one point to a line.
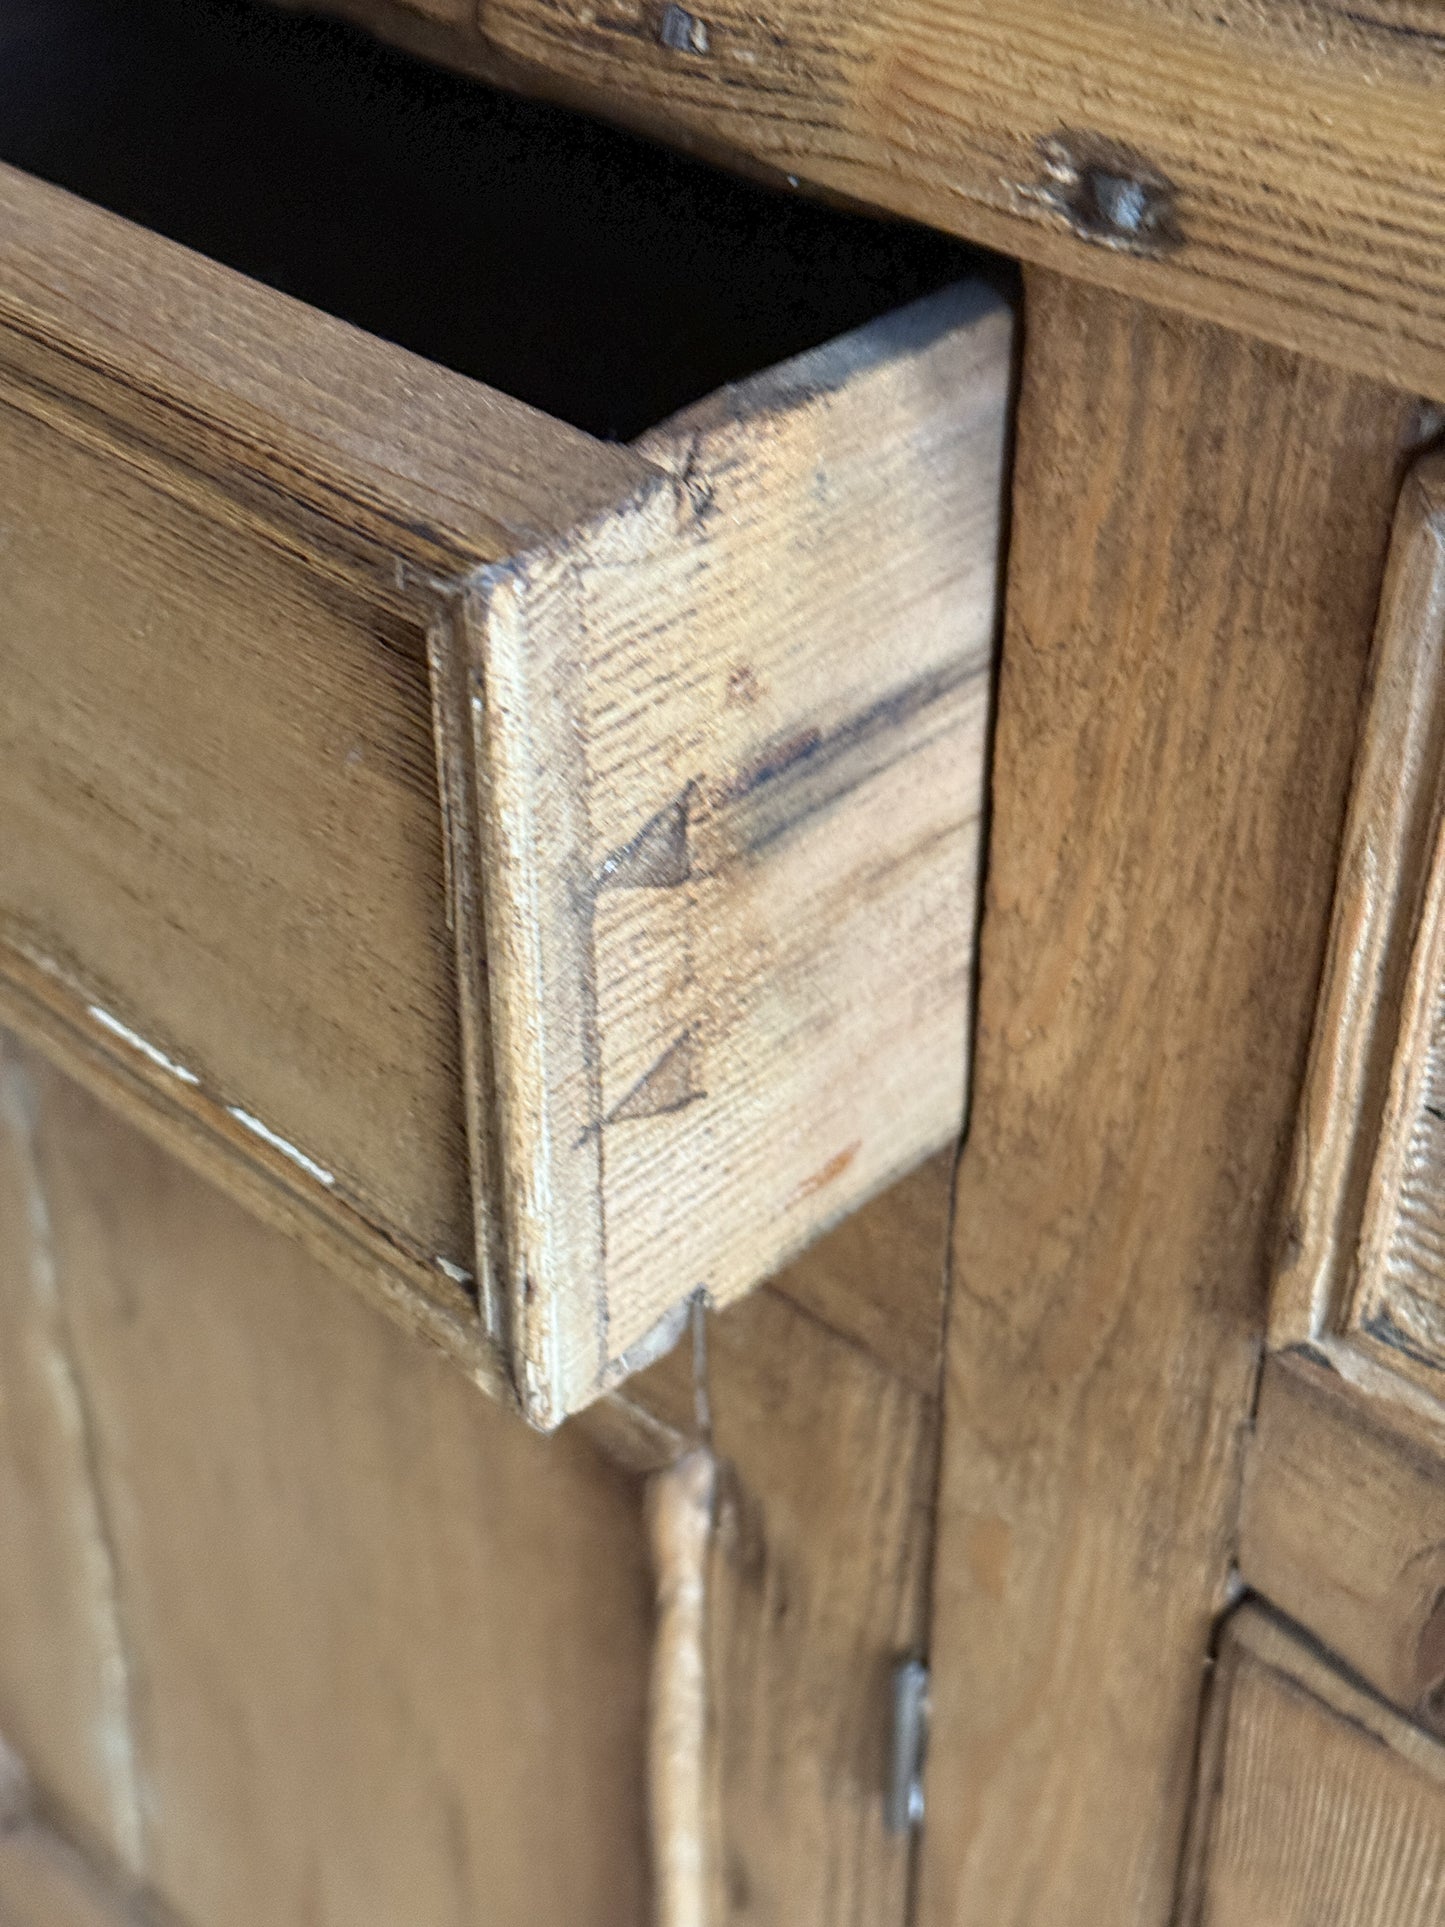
657 857
671 1085
807 773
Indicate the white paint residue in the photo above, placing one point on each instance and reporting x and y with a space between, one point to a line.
138 1043
457 1273
268 1136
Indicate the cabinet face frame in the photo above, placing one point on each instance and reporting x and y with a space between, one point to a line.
1357 1144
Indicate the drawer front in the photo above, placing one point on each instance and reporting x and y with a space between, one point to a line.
1316 1804
539 872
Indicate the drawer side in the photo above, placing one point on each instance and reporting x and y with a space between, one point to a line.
729 748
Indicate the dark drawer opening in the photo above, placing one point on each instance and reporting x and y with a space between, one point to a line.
574 266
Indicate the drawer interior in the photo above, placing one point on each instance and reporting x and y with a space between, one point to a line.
578 268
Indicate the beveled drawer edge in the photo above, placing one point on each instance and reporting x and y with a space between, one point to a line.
924 390
269 1177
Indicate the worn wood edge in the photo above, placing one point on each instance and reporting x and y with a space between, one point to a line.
681 1793
1208 1779
1282 1648
977 120
57 1015
973 306
1395 805
1366 1317
969 119
536 1080
450 688
549 1219
252 382
1372 1370
1256 1633
972 316
1330 1444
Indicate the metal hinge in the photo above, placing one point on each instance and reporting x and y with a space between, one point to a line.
910 1742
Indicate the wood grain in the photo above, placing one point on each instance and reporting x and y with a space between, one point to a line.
708 719
1276 168
1343 1528
228 525
1361 1274
817 1574
1199 532
815 1580
728 768
1317 1803
385 1652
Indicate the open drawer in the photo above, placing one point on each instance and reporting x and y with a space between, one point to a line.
537 870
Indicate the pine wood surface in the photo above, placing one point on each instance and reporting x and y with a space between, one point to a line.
1199 533
817 1585
230 899
729 885
1361 1274
1316 1803
346 1608
293 1624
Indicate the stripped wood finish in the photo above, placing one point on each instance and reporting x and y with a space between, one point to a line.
323 1635
817 1569
708 718
1277 168
1199 532
1361 1276
710 869
1317 1804
1343 1527
229 902
268 1454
